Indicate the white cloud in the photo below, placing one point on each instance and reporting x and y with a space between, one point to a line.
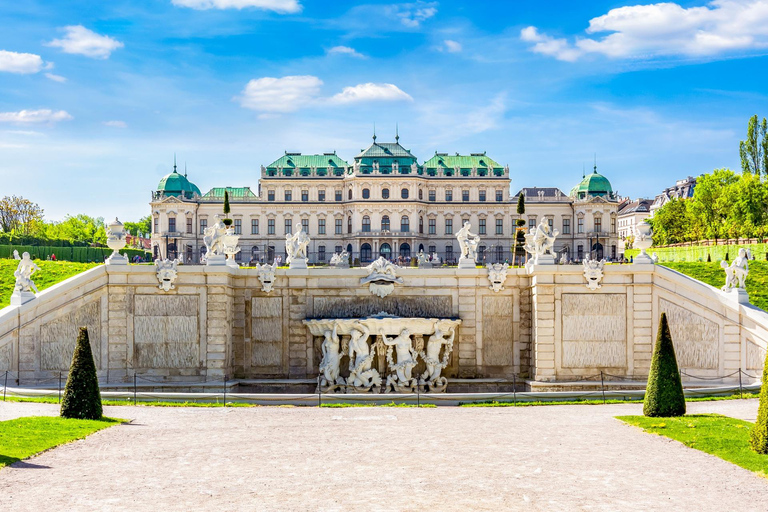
370 19
663 30
286 94
345 50
115 124
370 92
56 78
451 46
412 15
279 6
21 63
34 116
81 41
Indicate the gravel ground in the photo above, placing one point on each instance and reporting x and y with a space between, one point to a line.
272 458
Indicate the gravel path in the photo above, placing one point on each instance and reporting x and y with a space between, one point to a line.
272 458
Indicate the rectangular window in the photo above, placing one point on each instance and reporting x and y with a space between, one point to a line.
321 253
270 226
532 223
271 195
613 224
499 196
465 195
551 223
482 196
580 225
189 225
598 224
449 195
305 225
338 226
337 250
432 249
238 226
338 196
239 256
254 226
288 195
305 195
320 226
449 252
448 226
432 226
499 226
321 195
580 251
171 224
288 226
566 226
157 224
203 225
432 196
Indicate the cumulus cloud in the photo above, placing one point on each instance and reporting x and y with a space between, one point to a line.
115 124
370 92
279 6
56 78
345 50
34 116
79 40
664 29
21 63
271 95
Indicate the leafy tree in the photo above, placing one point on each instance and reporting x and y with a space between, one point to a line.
671 223
758 436
708 207
82 399
745 204
19 215
80 228
754 150
521 203
227 221
664 392
144 225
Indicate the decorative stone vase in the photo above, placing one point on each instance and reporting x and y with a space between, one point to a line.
116 241
643 241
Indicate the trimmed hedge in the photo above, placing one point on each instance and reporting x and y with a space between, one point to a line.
79 254
82 399
758 436
664 393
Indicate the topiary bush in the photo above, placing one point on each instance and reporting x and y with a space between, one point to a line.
758 436
664 392
82 399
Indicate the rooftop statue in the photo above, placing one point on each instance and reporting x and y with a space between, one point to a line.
468 243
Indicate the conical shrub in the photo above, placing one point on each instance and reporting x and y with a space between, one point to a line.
664 393
82 399
758 436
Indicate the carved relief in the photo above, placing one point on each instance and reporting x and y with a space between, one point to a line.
6 357
166 331
267 331
58 337
695 338
359 307
755 356
497 331
594 330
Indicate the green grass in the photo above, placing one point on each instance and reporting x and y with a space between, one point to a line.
700 252
712 274
594 401
721 436
24 437
50 273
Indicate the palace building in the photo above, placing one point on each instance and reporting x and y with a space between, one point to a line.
383 203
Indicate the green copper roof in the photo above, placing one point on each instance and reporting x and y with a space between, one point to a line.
385 150
235 193
298 161
461 161
175 184
594 185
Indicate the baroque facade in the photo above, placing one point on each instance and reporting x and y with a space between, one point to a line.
383 203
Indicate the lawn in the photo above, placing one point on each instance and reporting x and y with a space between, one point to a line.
712 274
24 437
721 436
50 273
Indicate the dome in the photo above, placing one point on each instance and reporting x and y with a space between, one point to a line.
176 184
594 185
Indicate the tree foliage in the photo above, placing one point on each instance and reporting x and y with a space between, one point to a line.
19 215
664 392
78 228
144 226
758 436
754 150
81 398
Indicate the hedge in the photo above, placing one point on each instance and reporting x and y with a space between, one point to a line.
79 254
82 399
664 392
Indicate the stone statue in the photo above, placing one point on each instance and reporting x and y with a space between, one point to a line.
431 378
736 274
167 271
414 168
229 243
468 243
423 260
593 271
382 276
362 378
539 242
23 274
266 274
400 379
213 238
116 241
329 366
296 248
16 255
340 259
497 274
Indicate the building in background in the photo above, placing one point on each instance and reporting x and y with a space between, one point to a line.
683 189
631 213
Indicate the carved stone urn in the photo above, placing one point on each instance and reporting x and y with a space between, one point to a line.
643 241
116 241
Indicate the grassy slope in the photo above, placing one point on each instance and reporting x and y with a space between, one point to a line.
24 437
712 274
727 438
50 273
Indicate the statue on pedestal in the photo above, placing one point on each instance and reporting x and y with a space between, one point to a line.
431 378
362 378
116 241
213 238
296 248
23 274
401 381
539 242
736 273
468 243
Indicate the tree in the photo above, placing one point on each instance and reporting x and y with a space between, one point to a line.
671 223
19 215
144 225
82 399
708 207
664 392
80 228
758 436
754 150
227 221
521 203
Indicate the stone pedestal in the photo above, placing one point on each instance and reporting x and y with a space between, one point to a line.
19 298
467 263
117 259
232 263
544 259
642 259
216 260
298 263
738 295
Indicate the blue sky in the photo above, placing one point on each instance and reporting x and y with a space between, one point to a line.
95 97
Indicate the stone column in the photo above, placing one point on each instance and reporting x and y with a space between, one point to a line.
642 322
543 326
220 317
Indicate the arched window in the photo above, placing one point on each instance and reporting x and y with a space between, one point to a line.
448 252
386 251
385 193
366 224
349 194
385 223
481 253
405 250
365 253
405 223
404 193
366 193
421 194
421 224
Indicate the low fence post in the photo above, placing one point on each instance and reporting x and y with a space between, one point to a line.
740 386
5 384
602 385
134 388
319 396
225 390
514 388
418 395
59 387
